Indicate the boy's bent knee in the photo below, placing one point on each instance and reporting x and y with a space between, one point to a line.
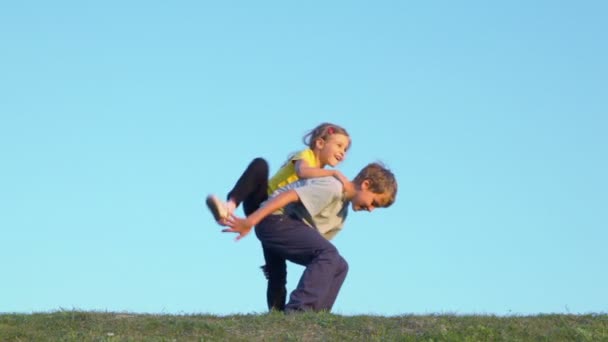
342 264
331 256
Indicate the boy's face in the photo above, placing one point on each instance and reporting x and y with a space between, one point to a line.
365 199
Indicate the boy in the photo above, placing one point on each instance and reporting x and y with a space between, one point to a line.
296 223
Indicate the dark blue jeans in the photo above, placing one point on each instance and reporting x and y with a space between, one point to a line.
286 238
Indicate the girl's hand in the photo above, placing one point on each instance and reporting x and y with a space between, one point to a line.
348 185
341 177
237 225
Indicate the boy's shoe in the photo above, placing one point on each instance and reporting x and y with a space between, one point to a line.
217 208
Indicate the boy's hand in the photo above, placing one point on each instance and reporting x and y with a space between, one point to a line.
237 225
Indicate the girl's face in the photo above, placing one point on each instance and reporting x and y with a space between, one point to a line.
332 151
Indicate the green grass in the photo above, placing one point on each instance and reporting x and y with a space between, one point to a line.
104 326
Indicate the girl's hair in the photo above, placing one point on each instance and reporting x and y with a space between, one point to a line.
323 131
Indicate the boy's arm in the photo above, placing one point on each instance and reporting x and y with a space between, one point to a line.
243 226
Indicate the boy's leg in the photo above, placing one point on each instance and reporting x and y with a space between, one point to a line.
320 283
276 269
325 271
251 188
338 280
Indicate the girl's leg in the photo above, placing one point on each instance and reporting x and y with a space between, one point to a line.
252 187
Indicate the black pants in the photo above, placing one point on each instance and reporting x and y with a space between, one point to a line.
252 187
251 190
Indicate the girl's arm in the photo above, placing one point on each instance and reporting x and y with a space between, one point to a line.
304 170
243 226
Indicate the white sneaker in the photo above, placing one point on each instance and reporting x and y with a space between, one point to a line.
217 207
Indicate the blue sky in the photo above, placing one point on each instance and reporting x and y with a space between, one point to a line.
118 118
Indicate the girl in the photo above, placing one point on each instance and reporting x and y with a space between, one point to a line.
327 145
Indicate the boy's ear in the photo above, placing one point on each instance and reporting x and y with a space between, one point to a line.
365 184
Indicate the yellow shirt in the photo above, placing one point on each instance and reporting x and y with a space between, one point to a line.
287 173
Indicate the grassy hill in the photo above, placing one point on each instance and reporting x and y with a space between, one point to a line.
105 326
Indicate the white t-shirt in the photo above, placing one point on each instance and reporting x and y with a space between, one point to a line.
321 205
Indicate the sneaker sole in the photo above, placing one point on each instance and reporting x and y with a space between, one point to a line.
212 205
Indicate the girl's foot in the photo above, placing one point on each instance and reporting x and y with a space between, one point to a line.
218 209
